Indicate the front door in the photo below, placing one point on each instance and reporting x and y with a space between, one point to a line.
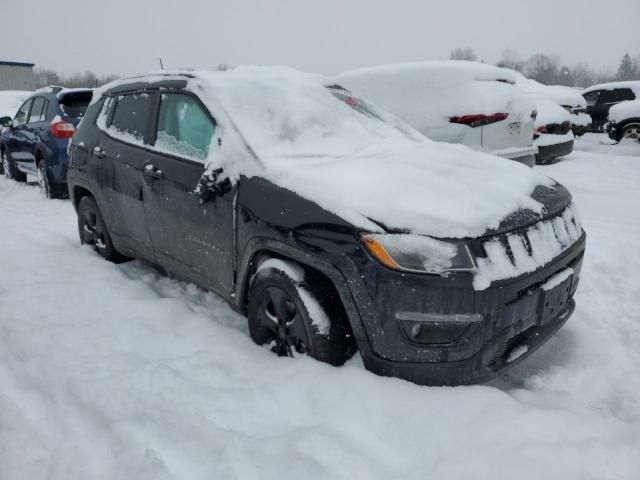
190 238
17 138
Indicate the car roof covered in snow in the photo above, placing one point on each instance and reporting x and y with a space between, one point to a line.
350 157
562 95
632 84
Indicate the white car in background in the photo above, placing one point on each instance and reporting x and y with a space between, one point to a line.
10 101
568 98
454 101
553 126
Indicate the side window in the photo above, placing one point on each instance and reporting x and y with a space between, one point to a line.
184 128
592 98
38 111
615 96
21 116
131 116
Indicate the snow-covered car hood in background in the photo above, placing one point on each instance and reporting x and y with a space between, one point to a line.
624 110
371 170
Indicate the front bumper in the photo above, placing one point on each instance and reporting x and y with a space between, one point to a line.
513 311
549 153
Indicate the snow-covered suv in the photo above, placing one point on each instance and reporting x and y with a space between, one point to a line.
329 223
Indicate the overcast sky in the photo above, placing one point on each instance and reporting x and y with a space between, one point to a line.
327 36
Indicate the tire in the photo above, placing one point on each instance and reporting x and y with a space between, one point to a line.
631 131
10 170
49 190
279 315
93 231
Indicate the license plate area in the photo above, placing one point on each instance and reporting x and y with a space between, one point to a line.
554 301
515 128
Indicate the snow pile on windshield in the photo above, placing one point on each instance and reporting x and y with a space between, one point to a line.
427 94
369 168
625 110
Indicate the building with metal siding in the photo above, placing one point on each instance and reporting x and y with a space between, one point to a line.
17 76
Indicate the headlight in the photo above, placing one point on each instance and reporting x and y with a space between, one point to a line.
418 253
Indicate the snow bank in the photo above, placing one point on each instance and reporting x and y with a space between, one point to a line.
625 110
114 372
427 94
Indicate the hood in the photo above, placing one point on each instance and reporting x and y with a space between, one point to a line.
440 190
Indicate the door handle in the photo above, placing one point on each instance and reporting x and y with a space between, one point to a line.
98 152
150 171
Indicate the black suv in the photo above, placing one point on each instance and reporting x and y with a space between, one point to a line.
306 208
36 139
600 98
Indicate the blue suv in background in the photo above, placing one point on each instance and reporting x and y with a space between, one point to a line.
35 141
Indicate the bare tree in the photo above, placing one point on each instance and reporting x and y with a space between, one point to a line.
543 68
46 77
463 54
511 59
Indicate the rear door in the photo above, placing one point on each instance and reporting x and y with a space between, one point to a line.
117 158
192 239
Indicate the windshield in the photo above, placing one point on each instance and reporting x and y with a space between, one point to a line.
74 105
280 112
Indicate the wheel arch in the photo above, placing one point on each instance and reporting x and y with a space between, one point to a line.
319 268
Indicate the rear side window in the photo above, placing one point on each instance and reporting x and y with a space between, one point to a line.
184 128
75 105
38 110
131 115
21 116
616 95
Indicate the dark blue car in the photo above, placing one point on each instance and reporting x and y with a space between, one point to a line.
35 141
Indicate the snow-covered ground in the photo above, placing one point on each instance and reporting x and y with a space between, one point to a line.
114 372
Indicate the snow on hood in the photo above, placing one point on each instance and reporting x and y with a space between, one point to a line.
366 168
427 94
624 110
550 112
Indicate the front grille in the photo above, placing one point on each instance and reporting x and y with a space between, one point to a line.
513 254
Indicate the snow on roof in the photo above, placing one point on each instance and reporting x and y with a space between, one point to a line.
66 91
360 166
428 94
625 110
632 84
565 96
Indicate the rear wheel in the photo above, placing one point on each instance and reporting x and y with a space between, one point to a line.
285 313
93 231
10 170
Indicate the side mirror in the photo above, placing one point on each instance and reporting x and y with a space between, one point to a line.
6 122
211 185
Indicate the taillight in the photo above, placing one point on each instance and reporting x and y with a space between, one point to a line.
479 120
62 129
541 129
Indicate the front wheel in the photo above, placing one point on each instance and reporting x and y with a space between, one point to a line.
286 314
93 231
631 131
